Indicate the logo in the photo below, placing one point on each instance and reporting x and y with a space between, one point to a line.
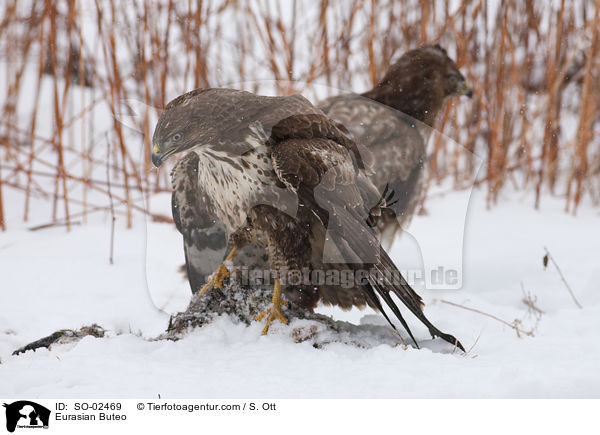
26 414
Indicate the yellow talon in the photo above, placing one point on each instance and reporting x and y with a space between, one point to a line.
217 278
273 313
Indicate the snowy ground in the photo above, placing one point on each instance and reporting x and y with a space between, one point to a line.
52 279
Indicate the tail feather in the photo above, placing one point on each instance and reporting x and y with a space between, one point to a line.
387 267
384 294
383 287
356 241
414 302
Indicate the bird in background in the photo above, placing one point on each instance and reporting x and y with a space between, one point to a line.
393 119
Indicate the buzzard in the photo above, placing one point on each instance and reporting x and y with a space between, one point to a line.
386 119
277 173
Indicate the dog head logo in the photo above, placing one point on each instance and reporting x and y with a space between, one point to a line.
26 414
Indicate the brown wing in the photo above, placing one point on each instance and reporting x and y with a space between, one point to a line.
324 175
398 151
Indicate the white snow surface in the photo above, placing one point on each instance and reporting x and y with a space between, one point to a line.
53 279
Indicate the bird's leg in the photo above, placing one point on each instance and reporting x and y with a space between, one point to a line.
216 279
274 313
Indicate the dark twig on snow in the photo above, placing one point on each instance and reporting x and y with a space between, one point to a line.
549 256
154 216
54 224
63 336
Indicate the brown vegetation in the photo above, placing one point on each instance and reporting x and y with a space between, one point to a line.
535 67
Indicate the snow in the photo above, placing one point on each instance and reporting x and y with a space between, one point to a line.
54 279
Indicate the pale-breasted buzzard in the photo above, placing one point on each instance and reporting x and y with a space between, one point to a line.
275 172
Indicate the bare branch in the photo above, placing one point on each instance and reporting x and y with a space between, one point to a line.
514 325
562 277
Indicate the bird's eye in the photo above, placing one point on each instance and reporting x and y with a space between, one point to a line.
453 78
176 137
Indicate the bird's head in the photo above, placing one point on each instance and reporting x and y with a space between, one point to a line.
179 127
164 145
439 68
419 82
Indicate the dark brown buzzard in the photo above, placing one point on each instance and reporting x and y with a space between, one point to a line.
387 120
275 172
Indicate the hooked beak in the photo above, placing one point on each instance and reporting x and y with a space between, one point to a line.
464 89
158 158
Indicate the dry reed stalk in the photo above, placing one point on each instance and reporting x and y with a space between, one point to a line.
586 113
60 180
200 71
552 129
424 20
496 48
342 43
515 324
370 42
2 221
143 71
288 52
114 82
324 40
496 123
272 49
10 103
34 116
553 148
266 38
82 80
